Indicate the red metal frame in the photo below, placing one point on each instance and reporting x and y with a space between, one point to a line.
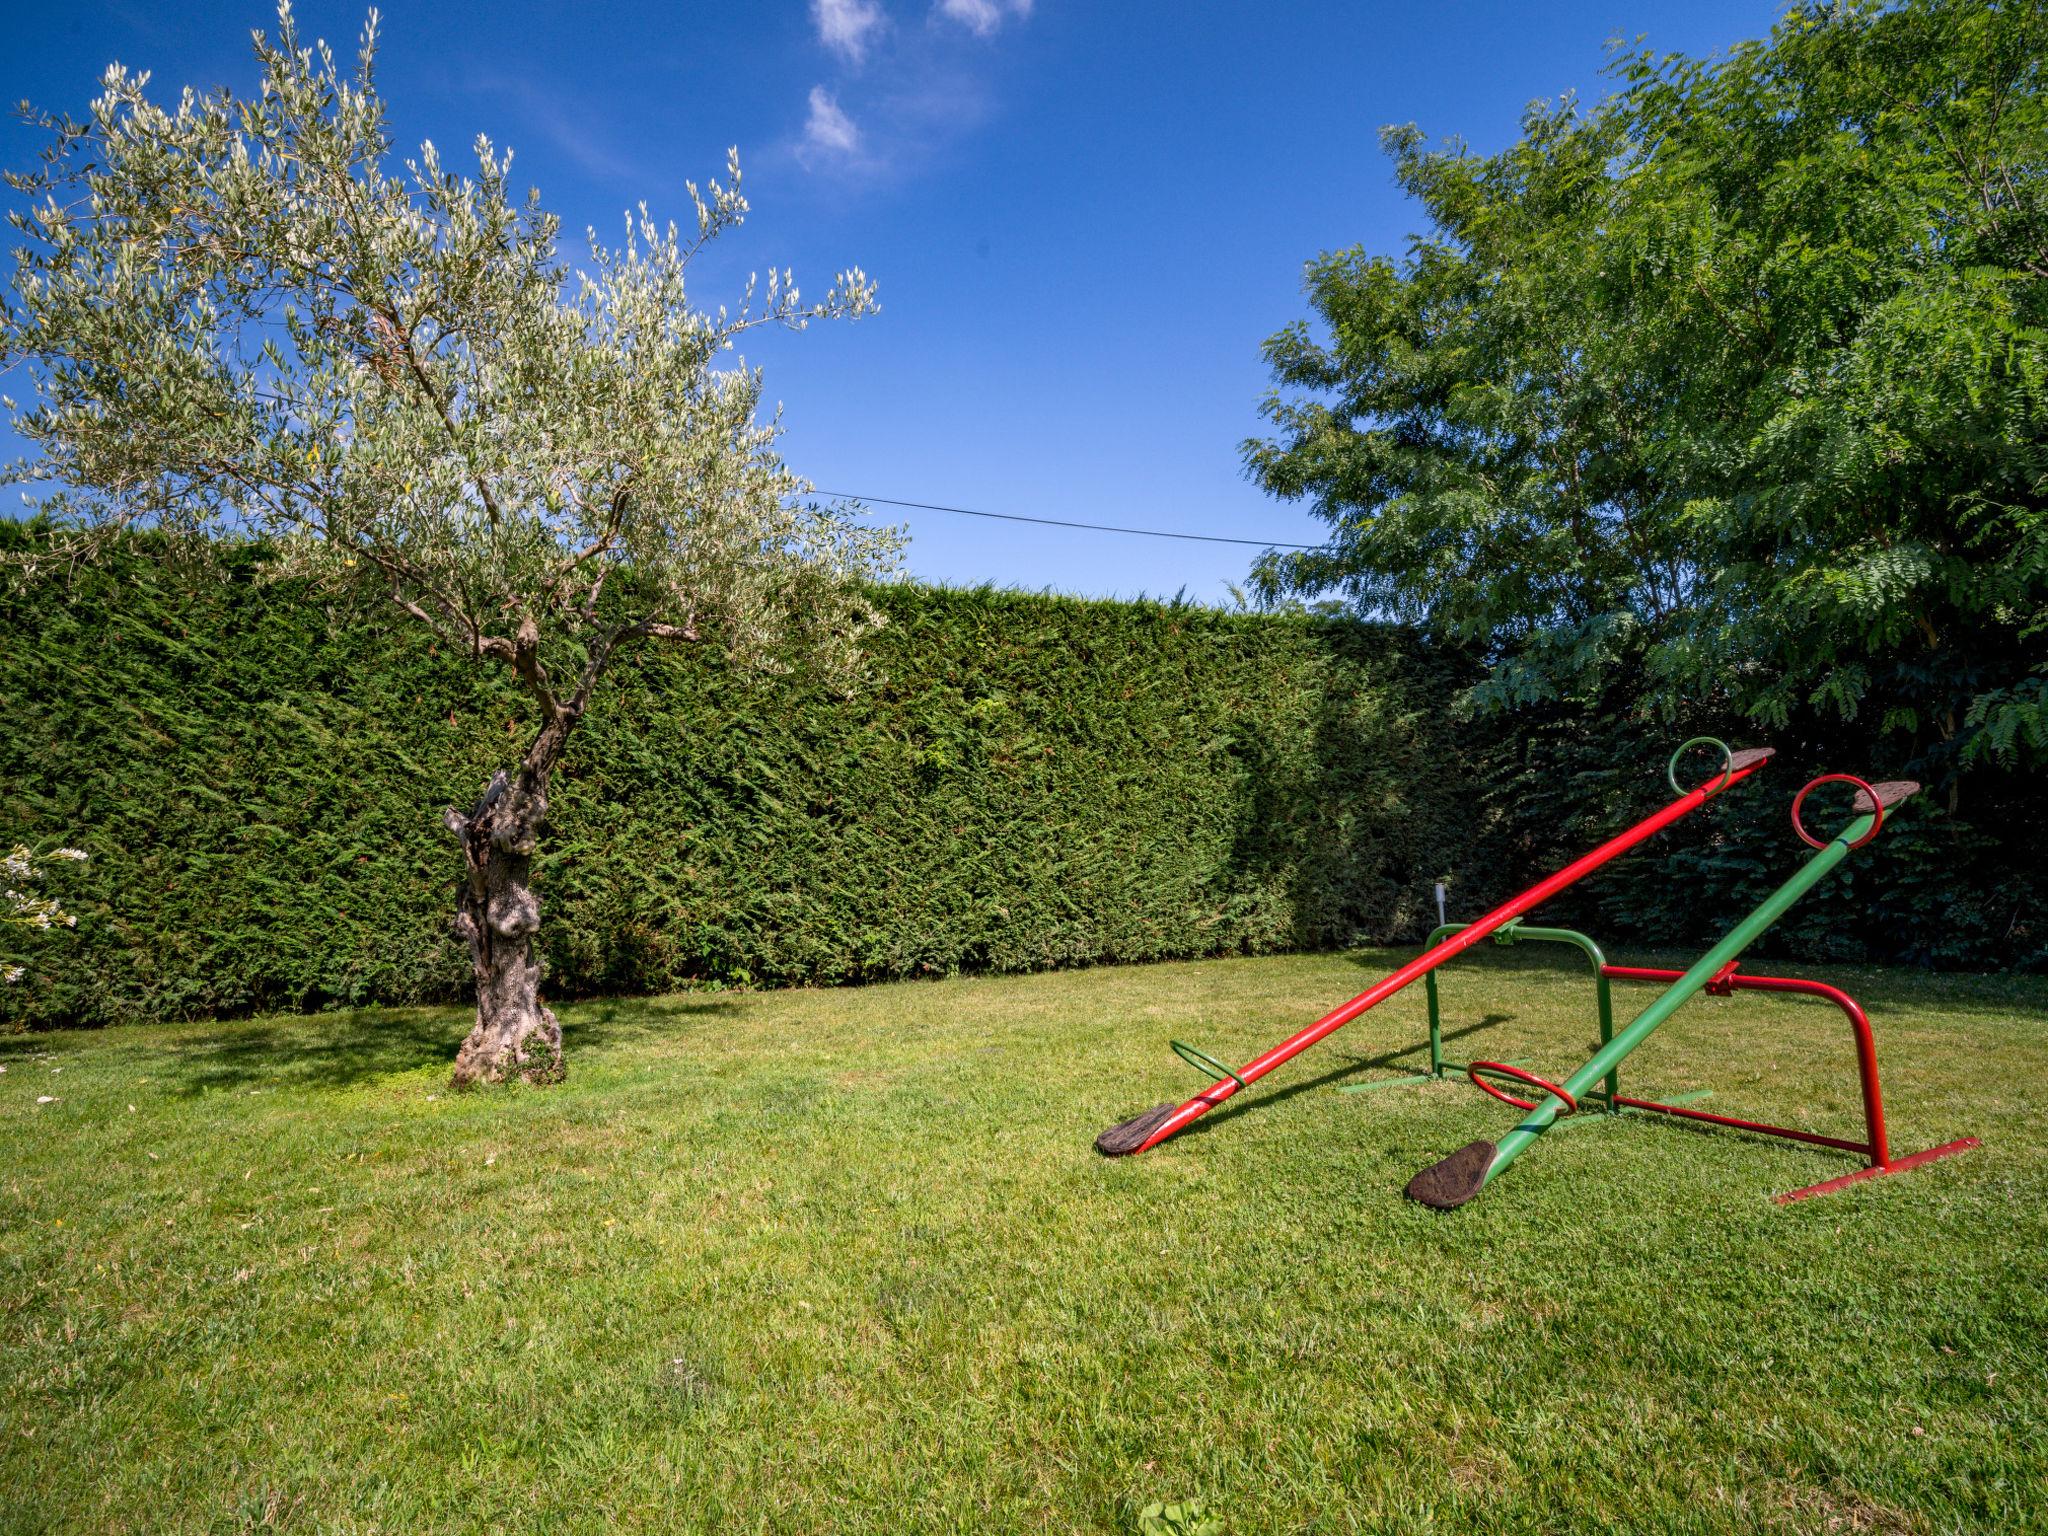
1875 1146
1457 944
1509 1069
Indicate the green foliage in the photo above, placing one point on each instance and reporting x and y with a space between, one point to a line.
1032 782
1956 881
22 905
1738 381
1187 1518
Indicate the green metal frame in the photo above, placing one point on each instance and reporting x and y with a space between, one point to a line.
1202 1061
1512 932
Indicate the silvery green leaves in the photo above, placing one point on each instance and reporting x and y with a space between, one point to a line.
23 906
241 317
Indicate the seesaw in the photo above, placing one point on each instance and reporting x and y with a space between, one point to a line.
1143 1132
1456 1179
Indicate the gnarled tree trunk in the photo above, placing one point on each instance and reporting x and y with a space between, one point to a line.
498 915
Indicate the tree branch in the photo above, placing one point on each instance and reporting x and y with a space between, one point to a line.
390 331
602 651
615 517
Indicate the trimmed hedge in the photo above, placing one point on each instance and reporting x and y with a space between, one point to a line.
1031 781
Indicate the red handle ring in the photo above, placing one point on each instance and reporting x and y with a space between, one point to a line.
1571 1105
1836 778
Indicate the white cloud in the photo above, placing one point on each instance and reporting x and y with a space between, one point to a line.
982 17
828 127
845 26
921 88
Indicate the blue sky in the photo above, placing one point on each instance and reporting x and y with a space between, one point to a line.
1084 216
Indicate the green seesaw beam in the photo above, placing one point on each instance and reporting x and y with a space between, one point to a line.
1457 1178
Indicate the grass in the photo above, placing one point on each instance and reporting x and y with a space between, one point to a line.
845 1262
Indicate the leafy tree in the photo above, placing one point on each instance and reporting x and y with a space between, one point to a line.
240 322
1735 386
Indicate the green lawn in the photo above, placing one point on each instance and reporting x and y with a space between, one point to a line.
846 1262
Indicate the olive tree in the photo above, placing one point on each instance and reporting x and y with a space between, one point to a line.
242 320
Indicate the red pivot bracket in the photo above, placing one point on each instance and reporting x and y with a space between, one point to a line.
1571 1105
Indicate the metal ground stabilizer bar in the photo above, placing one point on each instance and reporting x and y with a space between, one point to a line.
1143 1132
1457 1178
1875 1147
1903 1165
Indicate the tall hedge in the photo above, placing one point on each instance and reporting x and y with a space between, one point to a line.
1030 781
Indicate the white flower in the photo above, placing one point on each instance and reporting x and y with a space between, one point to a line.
25 908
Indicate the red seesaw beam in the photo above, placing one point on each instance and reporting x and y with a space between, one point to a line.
1737 767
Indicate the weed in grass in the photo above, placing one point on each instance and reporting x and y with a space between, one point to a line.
1190 1518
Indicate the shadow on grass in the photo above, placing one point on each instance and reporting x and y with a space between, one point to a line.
335 1050
1736 1136
1238 1105
15 1049
344 1050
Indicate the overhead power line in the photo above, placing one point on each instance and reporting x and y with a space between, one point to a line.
1060 522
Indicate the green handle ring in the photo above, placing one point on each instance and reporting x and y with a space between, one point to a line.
1209 1064
1727 764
